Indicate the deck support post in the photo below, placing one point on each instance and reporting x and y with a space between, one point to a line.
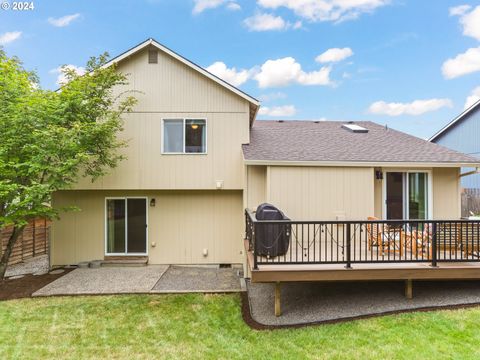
278 309
409 289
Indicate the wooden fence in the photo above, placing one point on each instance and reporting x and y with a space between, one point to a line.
33 241
470 202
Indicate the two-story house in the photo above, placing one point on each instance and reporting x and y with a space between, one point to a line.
196 158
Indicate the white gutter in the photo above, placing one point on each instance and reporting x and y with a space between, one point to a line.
476 171
361 164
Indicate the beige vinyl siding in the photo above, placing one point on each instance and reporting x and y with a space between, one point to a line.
322 193
170 89
378 194
325 193
182 224
446 193
146 168
171 86
256 186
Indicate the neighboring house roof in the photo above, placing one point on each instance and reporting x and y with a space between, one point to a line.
326 142
463 115
254 103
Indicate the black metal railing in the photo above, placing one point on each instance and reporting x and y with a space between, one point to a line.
366 241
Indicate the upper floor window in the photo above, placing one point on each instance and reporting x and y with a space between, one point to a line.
184 136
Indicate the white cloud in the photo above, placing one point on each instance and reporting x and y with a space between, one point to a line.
61 78
469 61
269 22
64 20
265 22
462 64
334 55
326 10
202 5
233 6
285 110
9 37
459 10
417 107
473 98
471 23
272 96
230 75
286 71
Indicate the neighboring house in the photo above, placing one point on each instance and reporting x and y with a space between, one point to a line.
463 134
196 158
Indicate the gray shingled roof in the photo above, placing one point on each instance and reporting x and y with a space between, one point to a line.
327 141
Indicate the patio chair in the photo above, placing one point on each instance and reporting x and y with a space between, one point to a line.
418 242
449 240
469 241
386 238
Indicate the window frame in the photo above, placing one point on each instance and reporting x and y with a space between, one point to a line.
184 120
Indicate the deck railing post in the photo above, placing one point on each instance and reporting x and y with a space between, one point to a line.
246 225
348 246
434 244
255 246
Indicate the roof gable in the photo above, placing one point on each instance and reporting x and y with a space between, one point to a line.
466 113
254 103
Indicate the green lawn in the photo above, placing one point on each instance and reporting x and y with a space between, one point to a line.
211 327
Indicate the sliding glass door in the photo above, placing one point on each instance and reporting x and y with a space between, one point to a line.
417 196
406 195
126 226
395 195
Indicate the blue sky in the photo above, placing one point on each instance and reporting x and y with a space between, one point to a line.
411 64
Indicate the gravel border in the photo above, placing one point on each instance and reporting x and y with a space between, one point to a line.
320 303
37 265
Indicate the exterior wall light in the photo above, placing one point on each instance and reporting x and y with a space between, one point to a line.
152 202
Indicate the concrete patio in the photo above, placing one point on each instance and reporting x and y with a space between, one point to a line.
199 279
143 279
105 280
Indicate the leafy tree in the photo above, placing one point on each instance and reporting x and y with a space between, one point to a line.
49 139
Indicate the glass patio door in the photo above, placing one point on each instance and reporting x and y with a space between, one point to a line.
126 226
406 195
417 195
395 195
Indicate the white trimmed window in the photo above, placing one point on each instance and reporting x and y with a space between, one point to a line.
184 136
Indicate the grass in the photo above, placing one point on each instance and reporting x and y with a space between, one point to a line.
197 326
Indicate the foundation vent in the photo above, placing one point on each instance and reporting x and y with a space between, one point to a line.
153 56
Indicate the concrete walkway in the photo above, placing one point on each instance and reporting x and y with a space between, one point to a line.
105 280
304 303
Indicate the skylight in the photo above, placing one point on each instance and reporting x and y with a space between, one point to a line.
354 128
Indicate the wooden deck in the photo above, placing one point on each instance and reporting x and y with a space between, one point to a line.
278 272
371 250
